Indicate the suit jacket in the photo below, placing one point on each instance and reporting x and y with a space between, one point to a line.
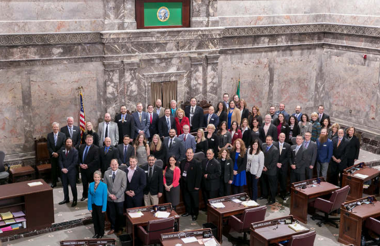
163 130
272 131
286 115
190 141
193 175
143 125
298 159
325 151
125 128
213 172
116 187
241 161
340 152
244 114
153 128
76 135
105 158
138 181
235 116
92 158
247 137
227 170
353 148
213 120
113 133
60 143
222 117
120 151
324 116
69 162
173 112
299 116
284 129
179 126
257 117
197 120
177 149
155 184
310 153
271 158
162 111
285 158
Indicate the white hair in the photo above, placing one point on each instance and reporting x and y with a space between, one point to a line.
173 101
55 123
70 117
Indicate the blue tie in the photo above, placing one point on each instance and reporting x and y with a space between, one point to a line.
85 153
125 154
168 123
268 148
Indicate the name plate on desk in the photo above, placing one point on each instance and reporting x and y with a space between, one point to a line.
183 234
300 184
138 210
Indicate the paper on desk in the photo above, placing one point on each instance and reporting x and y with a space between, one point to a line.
250 203
236 200
189 239
160 214
361 176
32 184
210 242
136 214
218 205
6 215
297 227
376 167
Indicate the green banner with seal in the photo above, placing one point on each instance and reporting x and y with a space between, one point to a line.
163 14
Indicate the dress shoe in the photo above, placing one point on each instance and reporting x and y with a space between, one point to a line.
100 237
63 202
83 199
111 232
185 214
74 204
263 198
95 236
195 218
53 185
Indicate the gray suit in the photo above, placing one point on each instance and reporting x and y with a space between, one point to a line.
116 187
190 141
143 125
310 156
113 133
177 149
298 159
162 112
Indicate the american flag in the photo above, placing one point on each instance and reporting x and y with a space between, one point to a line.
82 117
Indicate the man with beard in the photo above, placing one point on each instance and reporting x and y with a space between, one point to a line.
108 128
174 146
298 113
125 123
325 152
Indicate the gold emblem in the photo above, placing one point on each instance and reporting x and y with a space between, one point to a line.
163 14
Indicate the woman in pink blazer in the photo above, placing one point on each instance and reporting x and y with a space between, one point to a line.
172 174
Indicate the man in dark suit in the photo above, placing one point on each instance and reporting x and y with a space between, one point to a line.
153 121
106 154
269 177
141 121
211 175
125 151
321 115
175 146
298 113
284 161
191 176
195 115
339 159
88 162
68 161
55 143
154 182
211 118
268 129
72 132
165 123
136 182
125 123
310 149
297 171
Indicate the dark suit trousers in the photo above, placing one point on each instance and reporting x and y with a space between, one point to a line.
282 176
224 188
99 219
334 173
55 170
115 215
309 172
136 201
237 189
87 177
69 179
269 184
296 177
191 200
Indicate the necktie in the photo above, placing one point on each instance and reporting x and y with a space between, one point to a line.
113 176
306 144
106 135
123 118
170 144
150 172
208 120
268 148
71 132
281 148
125 154
192 110
340 140
67 152
55 139
168 123
207 165
151 118
184 138
106 150
85 153
140 116
320 117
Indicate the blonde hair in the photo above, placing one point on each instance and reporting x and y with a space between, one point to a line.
336 125
203 135
159 143
180 111
314 114
211 126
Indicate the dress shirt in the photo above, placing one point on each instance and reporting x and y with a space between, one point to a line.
266 128
130 173
280 145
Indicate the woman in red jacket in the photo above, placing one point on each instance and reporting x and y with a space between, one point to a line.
235 131
180 121
172 174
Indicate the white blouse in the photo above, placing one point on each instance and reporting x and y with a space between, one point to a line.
255 163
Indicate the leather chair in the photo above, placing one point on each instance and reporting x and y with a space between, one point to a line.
154 230
4 175
199 156
305 239
159 163
242 223
373 225
328 206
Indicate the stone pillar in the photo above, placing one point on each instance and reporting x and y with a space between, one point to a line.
129 15
213 85
198 78
204 13
134 90
112 72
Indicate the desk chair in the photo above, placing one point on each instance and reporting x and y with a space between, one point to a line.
199 156
242 223
373 225
305 239
3 173
328 206
159 163
154 230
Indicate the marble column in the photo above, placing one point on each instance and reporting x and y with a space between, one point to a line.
129 15
112 73
212 85
134 89
204 13
198 78
114 14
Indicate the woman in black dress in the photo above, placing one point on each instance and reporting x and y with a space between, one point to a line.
221 111
353 147
157 148
227 172
282 126
244 112
202 145
294 129
255 115
246 132
90 131
212 138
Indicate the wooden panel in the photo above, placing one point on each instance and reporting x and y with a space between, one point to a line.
39 209
350 229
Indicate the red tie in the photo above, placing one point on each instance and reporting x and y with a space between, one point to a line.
151 118
184 139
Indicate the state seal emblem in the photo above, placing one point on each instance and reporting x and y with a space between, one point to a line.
163 14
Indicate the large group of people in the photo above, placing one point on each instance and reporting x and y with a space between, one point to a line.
241 148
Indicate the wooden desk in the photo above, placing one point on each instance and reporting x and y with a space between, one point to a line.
174 238
300 198
132 223
266 232
94 242
36 202
355 183
217 215
351 221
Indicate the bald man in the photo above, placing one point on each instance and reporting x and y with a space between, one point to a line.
72 131
107 154
108 128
